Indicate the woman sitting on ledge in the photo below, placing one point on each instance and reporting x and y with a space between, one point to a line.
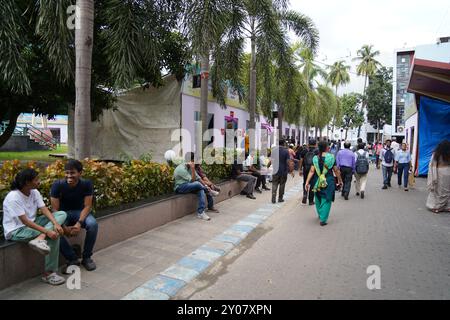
21 224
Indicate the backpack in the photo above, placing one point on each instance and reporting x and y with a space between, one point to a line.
388 156
308 162
362 164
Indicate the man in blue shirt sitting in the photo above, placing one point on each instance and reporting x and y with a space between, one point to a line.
74 196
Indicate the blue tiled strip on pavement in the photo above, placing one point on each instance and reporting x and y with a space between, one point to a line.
168 282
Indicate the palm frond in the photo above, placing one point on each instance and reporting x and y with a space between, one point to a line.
303 27
57 38
13 68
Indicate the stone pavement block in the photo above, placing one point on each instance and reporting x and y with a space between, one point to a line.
194 264
223 246
166 285
257 217
227 238
130 269
205 255
242 228
143 293
180 273
249 223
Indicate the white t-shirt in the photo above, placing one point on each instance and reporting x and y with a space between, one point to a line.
17 204
361 152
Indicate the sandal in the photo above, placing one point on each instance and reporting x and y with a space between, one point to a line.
54 279
435 211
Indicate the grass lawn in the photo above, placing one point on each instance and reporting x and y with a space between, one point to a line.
33 155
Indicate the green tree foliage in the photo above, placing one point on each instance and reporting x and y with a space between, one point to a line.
379 98
352 115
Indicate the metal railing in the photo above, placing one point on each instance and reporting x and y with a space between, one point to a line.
34 133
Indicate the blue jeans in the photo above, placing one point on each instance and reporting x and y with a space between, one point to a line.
200 190
387 174
403 169
91 226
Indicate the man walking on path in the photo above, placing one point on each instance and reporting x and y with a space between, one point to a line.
346 163
280 158
403 164
305 164
361 170
387 157
378 148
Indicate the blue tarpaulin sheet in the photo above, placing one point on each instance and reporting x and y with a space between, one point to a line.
434 126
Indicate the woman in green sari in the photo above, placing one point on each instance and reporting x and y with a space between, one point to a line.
322 178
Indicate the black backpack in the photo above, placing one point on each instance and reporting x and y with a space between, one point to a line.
362 164
308 161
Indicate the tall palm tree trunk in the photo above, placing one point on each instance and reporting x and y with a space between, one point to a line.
204 96
84 38
363 102
252 97
280 122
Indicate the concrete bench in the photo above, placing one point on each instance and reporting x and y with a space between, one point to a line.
18 262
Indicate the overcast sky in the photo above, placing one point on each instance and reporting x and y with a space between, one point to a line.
346 25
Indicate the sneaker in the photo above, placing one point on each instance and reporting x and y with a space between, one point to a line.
213 193
357 194
54 279
213 209
265 188
274 200
89 264
40 246
389 185
203 216
323 223
243 193
346 197
71 263
251 196
304 200
258 190
362 194
406 189
280 200
384 187
312 203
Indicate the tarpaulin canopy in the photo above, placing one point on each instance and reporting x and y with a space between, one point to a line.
434 126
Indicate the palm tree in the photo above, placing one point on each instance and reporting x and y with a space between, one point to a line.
367 67
206 24
265 23
84 38
338 75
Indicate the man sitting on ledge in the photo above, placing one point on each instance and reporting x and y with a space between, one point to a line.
188 181
74 196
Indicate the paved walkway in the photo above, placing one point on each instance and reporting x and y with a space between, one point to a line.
292 257
156 264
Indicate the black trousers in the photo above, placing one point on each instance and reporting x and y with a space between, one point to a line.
347 174
278 180
311 193
260 179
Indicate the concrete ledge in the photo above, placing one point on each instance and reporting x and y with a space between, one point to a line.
19 263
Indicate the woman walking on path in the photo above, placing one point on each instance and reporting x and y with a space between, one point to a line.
438 182
324 185
403 164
